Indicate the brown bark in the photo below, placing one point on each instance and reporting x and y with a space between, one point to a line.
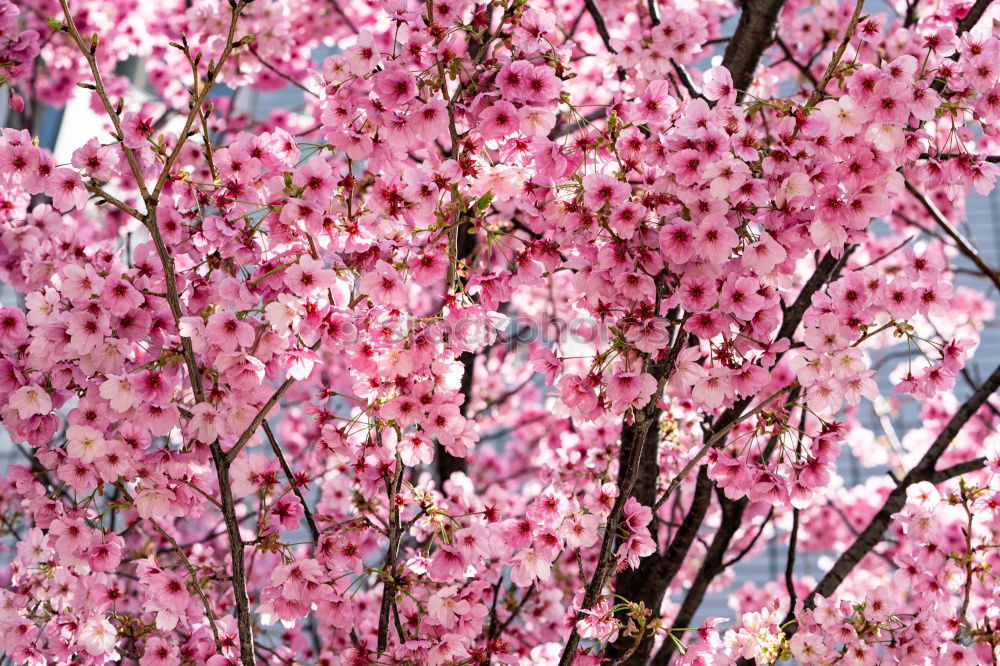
925 470
448 464
753 35
649 582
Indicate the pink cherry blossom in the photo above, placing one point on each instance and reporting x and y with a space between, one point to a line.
498 333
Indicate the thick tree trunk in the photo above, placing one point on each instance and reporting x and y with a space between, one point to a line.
753 35
447 464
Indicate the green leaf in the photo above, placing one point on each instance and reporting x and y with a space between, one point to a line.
483 202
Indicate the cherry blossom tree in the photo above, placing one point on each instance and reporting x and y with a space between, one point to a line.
505 345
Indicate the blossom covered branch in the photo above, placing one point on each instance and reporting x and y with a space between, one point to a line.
506 341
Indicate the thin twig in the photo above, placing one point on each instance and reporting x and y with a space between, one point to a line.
114 201
516 611
340 12
196 103
886 254
191 570
278 72
602 30
685 78
756 537
831 69
91 59
257 420
798 65
291 479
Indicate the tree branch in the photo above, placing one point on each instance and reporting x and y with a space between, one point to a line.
685 78
752 37
712 565
291 479
961 242
654 11
236 545
965 24
114 201
191 570
643 422
244 624
956 156
790 57
793 541
924 470
202 91
388 574
340 12
91 59
753 542
718 436
970 20
599 23
649 582
602 30
831 69
257 420
279 73
958 469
